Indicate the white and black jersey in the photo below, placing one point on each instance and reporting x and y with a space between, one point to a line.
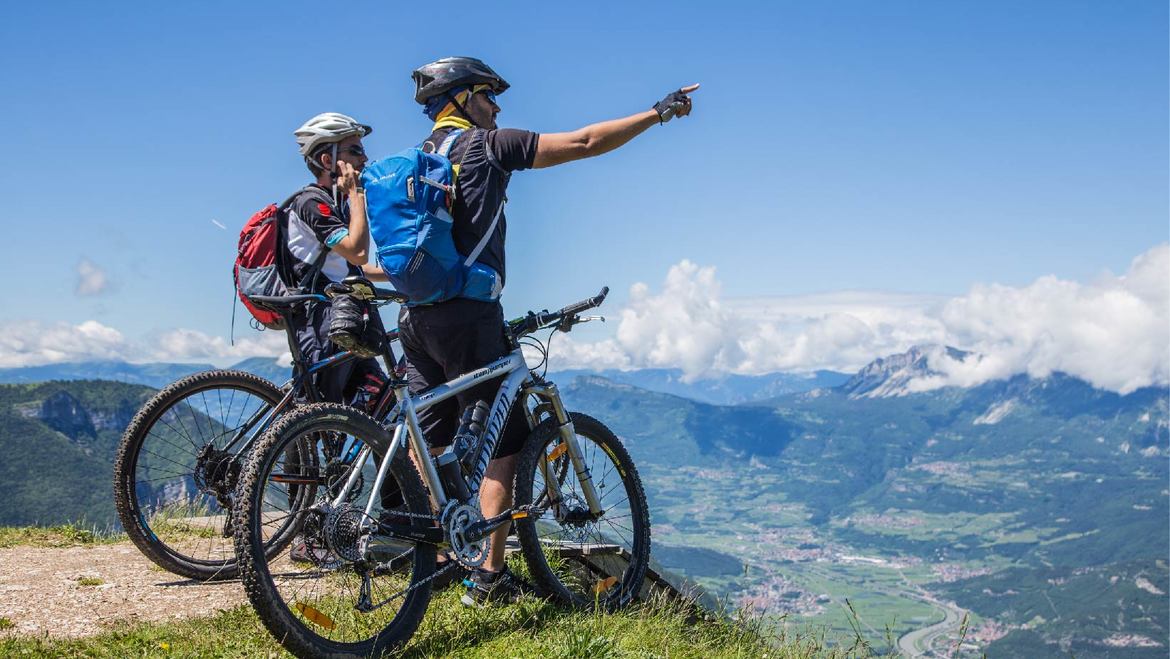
316 224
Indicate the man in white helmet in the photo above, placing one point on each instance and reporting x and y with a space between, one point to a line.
327 240
449 338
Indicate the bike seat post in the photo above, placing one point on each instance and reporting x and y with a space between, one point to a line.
294 348
389 360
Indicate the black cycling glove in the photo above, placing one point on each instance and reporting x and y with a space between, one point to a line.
668 107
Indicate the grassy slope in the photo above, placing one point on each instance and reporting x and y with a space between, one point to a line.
529 629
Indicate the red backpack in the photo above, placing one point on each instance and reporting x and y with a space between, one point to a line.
259 268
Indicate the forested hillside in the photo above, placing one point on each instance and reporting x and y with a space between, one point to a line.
58 441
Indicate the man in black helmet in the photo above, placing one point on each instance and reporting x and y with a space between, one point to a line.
444 340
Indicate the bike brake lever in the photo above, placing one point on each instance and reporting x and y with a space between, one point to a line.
566 323
585 319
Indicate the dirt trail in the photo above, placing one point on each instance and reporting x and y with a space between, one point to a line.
41 594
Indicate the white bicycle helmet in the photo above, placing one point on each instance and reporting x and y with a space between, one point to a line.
328 128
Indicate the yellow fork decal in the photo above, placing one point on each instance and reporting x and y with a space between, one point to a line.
558 451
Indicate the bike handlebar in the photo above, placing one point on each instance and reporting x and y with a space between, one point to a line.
586 304
563 319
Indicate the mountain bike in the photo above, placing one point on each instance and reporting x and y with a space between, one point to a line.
180 458
367 584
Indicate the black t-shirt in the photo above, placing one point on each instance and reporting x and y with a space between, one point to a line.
315 223
486 160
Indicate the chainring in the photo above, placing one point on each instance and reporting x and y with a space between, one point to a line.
457 519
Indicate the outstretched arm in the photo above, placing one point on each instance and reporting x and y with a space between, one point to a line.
596 139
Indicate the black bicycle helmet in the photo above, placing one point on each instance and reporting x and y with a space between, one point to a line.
438 77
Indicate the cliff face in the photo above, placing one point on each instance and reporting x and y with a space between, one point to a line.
65 414
115 418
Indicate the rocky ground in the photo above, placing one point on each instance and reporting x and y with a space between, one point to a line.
81 591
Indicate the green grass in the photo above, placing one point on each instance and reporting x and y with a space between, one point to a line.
90 581
529 629
65 535
6 623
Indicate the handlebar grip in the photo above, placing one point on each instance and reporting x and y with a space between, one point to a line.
587 303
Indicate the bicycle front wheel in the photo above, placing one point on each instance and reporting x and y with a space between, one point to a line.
343 589
177 465
581 558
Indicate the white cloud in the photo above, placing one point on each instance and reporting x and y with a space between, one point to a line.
190 345
91 279
689 326
29 343
1113 333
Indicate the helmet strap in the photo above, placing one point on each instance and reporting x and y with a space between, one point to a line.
462 111
333 176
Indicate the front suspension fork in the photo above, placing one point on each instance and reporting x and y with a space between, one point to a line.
551 405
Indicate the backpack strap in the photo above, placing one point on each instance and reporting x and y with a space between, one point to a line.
444 149
449 142
309 281
487 236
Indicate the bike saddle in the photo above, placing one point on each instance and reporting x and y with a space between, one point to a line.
359 286
354 285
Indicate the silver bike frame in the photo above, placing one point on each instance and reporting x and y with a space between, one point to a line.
403 419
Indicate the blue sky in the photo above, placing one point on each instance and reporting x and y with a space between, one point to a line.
896 147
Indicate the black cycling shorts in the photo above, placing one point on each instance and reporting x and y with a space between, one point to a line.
337 383
446 340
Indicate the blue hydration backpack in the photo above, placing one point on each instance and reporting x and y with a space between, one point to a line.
408 203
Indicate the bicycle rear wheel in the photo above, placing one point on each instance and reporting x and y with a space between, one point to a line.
343 589
577 557
177 464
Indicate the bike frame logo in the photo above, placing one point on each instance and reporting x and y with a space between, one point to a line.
495 426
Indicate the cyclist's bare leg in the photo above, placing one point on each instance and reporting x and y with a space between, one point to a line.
495 496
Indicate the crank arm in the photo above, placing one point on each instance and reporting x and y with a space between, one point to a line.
480 529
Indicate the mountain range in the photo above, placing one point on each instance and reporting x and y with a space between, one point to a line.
156 375
1037 507
722 390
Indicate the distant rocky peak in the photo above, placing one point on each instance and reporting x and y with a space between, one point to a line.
892 376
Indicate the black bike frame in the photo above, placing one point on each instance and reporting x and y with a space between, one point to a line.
298 384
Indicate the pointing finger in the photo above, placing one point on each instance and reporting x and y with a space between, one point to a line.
690 88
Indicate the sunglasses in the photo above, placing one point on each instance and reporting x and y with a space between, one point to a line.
486 91
353 150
